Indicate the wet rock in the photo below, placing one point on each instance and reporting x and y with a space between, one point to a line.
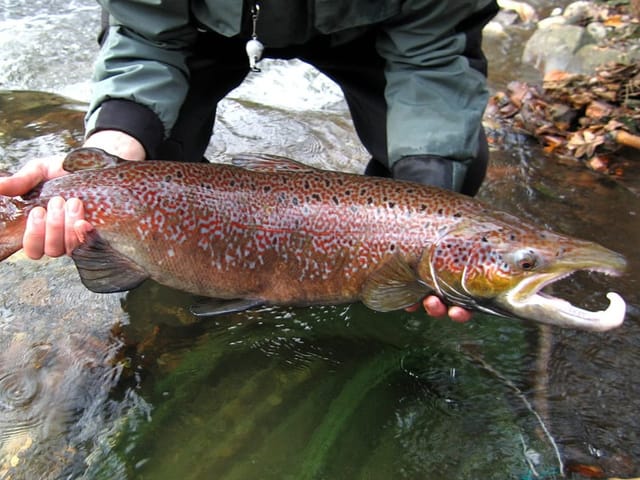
578 13
597 30
585 36
551 21
553 48
526 12
591 56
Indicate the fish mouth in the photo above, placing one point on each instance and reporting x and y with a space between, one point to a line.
527 300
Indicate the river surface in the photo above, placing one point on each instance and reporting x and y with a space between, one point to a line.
132 387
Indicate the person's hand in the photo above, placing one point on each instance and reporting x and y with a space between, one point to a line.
53 231
436 308
61 227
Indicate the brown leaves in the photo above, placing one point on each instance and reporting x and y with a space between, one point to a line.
585 117
584 142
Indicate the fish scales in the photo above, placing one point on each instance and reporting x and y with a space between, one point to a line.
271 230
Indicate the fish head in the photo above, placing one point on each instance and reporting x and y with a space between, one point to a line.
502 266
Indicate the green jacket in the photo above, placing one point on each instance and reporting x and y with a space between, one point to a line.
435 99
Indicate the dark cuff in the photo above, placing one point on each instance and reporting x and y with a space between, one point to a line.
431 170
133 119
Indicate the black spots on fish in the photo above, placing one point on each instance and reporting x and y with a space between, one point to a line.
423 207
392 247
370 201
513 237
121 176
484 239
266 188
179 174
295 201
441 211
336 200
391 204
316 197
168 178
363 192
327 183
307 185
232 183
457 215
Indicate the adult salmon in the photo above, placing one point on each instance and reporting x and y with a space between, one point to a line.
268 230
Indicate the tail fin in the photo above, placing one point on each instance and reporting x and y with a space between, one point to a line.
12 225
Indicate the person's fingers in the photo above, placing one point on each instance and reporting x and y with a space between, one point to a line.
23 180
459 314
31 174
81 229
74 212
54 243
434 306
33 239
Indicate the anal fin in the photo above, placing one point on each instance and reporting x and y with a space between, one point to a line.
102 269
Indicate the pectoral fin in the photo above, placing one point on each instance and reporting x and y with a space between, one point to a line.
393 286
104 270
214 307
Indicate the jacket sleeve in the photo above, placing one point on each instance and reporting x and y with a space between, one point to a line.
141 75
435 99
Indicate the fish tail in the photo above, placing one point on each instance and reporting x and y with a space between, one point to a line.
12 225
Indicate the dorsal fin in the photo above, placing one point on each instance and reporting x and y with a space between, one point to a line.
90 159
265 162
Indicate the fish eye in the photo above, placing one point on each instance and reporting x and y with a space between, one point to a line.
526 260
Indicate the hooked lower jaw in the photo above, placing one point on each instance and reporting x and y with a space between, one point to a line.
558 312
541 307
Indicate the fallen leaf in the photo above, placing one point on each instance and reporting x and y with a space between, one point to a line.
584 143
598 109
614 21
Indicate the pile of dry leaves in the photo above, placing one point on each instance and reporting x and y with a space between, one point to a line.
586 117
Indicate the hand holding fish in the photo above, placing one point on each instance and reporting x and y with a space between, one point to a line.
59 228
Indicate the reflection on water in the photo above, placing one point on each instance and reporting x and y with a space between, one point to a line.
52 403
328 392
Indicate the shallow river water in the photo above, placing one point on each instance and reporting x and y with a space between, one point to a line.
132 387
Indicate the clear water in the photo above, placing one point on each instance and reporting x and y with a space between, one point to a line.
104 386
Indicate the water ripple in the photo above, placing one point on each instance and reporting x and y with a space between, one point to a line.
18 389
